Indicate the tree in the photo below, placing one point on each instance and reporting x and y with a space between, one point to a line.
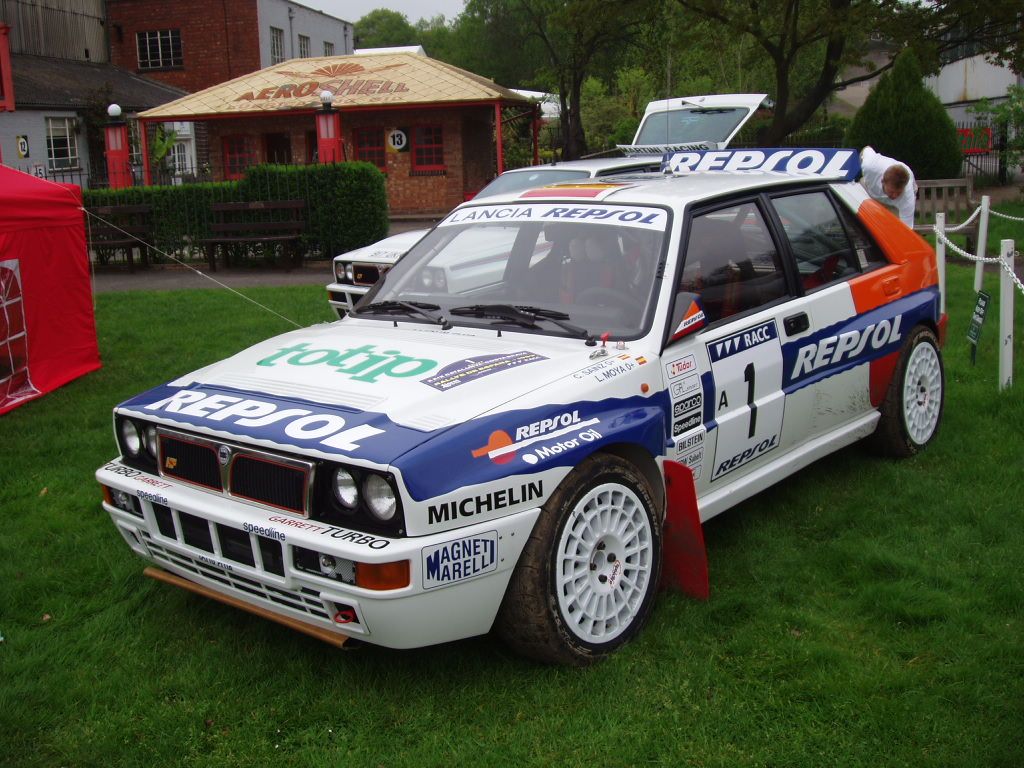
571 35
903 119
832 37
383 28
1006 119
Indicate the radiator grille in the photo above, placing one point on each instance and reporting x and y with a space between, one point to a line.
275 480
365 274
269 482
189 460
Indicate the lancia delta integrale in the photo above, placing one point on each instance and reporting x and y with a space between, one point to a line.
524 423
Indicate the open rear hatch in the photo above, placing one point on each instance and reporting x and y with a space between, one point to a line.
692 123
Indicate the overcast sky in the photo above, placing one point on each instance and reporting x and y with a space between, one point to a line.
414 10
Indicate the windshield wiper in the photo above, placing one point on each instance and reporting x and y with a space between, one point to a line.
525 316
421 308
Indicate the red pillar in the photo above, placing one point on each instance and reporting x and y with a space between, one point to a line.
328 136
119 168
147 175
497 136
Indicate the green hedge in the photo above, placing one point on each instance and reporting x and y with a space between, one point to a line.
346 205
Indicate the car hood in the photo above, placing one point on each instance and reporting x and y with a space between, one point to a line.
358 388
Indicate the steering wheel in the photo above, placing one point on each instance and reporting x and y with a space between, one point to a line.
602 296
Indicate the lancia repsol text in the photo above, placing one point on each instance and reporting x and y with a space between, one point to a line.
487 502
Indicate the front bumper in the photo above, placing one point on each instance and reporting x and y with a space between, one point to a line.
249 553
343 296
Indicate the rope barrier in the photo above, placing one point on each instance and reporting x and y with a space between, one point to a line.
963 224
1006 216
189 266
983 259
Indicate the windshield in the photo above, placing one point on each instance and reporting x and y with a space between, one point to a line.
684 126
556 269
537 177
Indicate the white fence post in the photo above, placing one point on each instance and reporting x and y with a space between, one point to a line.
1006 315
940 258
979 266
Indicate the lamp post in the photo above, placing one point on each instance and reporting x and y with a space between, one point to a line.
328 130
115 134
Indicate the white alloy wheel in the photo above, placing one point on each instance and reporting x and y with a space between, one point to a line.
587 579
922 393
604 563
912 409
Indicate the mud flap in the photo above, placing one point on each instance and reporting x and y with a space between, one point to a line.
685 561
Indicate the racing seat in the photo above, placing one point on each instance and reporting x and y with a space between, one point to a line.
591 264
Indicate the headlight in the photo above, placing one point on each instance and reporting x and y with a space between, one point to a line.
151 440
345 489
132 438
380 498
339 271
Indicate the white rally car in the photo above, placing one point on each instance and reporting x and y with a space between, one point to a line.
532 443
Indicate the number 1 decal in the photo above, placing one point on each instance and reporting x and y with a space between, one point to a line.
748 376
748 396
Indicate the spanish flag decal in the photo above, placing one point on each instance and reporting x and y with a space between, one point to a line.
693 320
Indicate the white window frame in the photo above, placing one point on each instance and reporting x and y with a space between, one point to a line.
69 135
276 45
303 46
165 41
328 48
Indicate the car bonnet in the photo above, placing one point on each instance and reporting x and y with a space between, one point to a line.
359 389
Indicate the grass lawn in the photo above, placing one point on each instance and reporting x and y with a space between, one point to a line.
864 613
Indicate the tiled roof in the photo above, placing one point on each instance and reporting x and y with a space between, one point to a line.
44 83
356 81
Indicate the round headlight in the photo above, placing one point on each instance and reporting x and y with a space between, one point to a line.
380 498
339 271
345 489
350 273
132 438
151 440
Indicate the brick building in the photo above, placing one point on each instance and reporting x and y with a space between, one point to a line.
194 44
433 129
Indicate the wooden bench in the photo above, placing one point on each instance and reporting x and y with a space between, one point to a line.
121 228
262 222
955 198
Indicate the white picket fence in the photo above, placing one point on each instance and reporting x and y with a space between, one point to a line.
1007 276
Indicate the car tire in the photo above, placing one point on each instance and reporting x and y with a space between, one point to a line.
912 408
588 576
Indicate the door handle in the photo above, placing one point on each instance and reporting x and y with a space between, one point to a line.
795 324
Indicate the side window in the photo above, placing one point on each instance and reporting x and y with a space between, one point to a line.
866 252
817 237
731 262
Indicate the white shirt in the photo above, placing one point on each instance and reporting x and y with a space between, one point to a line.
873 167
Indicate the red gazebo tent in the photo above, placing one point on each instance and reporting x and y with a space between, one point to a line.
47 327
